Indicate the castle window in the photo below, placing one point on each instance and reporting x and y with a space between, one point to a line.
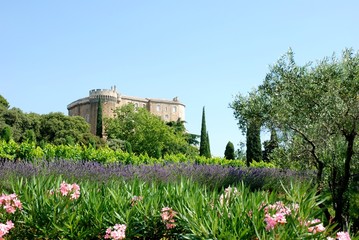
166 117
143 105
136 105
174 109
158 108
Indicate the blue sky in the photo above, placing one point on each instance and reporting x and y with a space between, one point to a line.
204 52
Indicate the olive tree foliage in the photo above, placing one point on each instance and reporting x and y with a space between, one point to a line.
316 107
145 132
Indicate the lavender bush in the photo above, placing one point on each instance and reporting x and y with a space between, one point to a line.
213 176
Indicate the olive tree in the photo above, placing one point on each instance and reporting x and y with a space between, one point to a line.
317 106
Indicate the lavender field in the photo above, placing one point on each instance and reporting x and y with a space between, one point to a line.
213 176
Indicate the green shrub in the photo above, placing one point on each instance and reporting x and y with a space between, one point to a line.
199 213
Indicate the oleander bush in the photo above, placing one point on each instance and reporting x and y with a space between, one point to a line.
53 207
89 200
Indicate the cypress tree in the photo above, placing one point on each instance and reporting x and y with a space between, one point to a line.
204 148
270 145
208 154
229 152
99 127
254 148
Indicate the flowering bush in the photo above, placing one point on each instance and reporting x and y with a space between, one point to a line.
4 228
315 226
168 215
117 232
281 211
340 236
201 212
10 203
73 190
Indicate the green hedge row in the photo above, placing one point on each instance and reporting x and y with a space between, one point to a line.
31 152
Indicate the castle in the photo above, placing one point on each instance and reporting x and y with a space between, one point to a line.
167 110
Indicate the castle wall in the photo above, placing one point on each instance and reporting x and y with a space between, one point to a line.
167 110
81 109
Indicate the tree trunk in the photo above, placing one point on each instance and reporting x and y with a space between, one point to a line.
341 201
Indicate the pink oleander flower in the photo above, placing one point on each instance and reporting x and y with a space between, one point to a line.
70 189
117 232
279 207
315 226
167 215
10 202
4 228
343 236
279 217
170 225
271 222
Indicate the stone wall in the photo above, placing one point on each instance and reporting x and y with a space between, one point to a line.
167 110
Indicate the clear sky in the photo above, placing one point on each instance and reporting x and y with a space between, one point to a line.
203 51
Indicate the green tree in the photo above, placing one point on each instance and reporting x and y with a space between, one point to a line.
58 129
208 146
99 126
229 152
192 139
145 132
250 112
317 107
4 103
253 139
29 136
6 134
179 128
204 149
270 146
240 153
18 121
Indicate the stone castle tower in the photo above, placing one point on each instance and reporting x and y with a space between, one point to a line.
167 110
